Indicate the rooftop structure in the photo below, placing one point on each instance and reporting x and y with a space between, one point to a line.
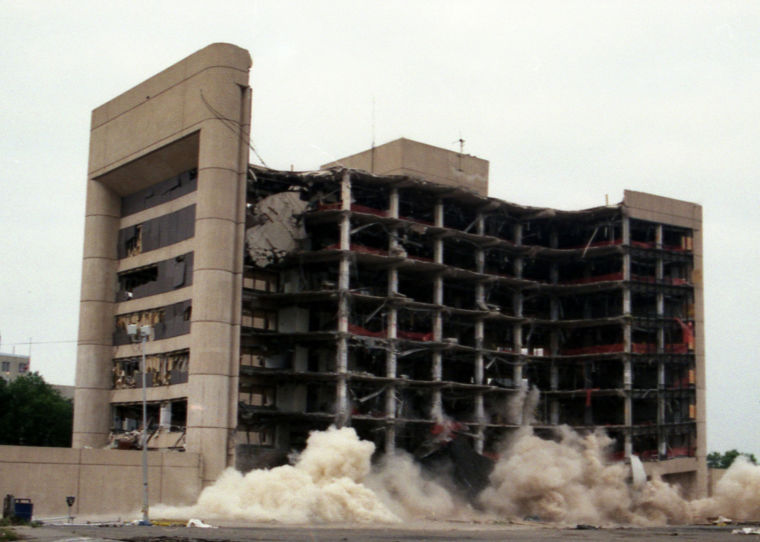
283 302
13 365
414 159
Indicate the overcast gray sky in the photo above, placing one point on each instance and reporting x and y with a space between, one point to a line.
568 100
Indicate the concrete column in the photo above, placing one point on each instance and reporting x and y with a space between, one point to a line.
390 392
627 336
517 302
436 406
392 326
341 362
480 415
659 274
214 343
699 354
438 213
92 415
554 333
214 330
480 301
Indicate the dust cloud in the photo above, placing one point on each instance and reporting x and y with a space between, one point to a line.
324 485
570 481
411 493
737 493
567 480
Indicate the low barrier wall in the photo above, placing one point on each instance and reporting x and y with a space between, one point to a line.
104 482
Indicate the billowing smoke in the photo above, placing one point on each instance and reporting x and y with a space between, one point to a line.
567 480
737 494
521 407
410 492
324 485
570 481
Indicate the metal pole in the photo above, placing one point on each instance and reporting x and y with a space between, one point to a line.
145 520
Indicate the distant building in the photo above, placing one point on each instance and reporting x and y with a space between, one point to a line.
283 302
13 365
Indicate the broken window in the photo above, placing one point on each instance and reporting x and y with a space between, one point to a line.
573 235
459 253
594 305
643 234
539 270
367 280
498 261
591 270
370 198
260 281
251 357
416 205
261 437
160 370
158 232
131 280
645 410
320 397
415 286
169 321
459 217
367 399
257 396
538 232
155 278
133 244
260 319
681 444
416 245
645 446
163 418
499 224
459 294
159 193
677 239
370 238
178 272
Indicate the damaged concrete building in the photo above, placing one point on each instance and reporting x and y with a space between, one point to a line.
386 291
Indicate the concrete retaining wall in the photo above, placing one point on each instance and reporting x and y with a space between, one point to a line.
104 482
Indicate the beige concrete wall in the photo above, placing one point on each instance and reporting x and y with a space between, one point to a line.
664 210
195 113
407 157
104 482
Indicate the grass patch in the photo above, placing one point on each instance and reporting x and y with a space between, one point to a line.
8 535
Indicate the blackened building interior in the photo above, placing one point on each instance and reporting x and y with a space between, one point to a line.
394 303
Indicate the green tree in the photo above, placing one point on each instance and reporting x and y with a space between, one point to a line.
32 413
717 460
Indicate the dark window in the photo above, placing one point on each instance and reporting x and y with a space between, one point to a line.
156 233
159 193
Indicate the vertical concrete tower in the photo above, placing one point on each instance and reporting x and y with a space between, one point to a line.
164 240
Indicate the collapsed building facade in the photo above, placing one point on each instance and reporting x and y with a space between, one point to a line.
387 292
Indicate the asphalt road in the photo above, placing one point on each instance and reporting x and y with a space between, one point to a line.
422 532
